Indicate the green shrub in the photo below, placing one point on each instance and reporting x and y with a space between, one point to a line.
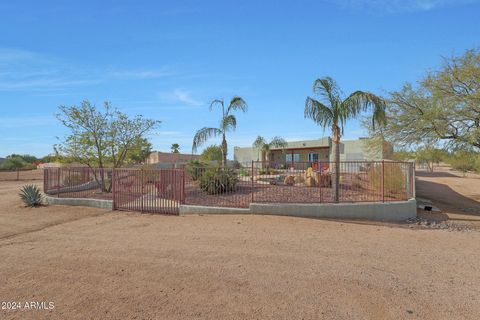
72 180
235 164
243 172
212 153
267 170
195 169
218 180
394 181
14 164
465 161
31 196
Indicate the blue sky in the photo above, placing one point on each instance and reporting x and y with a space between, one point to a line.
168 59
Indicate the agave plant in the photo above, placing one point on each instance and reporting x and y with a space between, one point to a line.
31 196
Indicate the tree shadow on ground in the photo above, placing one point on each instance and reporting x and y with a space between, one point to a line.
435 174
449 201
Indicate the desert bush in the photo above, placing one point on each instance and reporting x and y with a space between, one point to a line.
267 170
243 172
235 164
212 153
15 163
465 161
196 168
31 196
394 178
72 180
218 180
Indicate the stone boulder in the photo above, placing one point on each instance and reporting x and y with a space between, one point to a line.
310 182
299 179
289 180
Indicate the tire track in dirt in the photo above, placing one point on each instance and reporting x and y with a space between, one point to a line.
43 227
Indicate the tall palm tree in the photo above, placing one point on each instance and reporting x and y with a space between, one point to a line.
333 110
175 148
265 147
228 123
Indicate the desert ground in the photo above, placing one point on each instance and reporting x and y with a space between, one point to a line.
97 264
457 196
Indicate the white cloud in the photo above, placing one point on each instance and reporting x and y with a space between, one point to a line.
142 74
180 96
44 83
23 70
398 6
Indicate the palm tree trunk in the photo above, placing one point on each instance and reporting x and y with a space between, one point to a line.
224 152
336 163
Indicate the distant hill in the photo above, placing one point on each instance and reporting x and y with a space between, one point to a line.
1 160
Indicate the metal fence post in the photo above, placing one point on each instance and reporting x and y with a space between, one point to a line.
113 190
184 191
319 168
251 189
18 174
58 182
383 180
414 192
142 174
45 179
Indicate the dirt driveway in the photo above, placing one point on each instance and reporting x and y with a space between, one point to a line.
94 264
457 196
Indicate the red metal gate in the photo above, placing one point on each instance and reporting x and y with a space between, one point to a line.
148 190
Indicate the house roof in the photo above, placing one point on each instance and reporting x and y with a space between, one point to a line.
308 144
169 157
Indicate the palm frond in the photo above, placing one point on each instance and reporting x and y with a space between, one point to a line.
237 103
229 123
215 102
361 101
318 112
203 135
328 89
259 142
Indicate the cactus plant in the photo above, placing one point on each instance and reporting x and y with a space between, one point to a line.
31 196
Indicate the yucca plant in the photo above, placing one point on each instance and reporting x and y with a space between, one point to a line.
31 196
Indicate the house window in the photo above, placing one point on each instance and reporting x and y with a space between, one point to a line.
296 157
312 157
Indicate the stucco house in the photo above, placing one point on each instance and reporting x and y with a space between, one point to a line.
170 158
316 151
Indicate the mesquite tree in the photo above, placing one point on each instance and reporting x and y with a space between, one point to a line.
104 138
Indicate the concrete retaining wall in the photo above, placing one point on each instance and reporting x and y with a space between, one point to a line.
188 209
388 211
96 203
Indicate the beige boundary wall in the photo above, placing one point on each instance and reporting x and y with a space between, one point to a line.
95 203
379 211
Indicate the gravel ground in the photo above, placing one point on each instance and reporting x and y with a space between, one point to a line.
95 264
